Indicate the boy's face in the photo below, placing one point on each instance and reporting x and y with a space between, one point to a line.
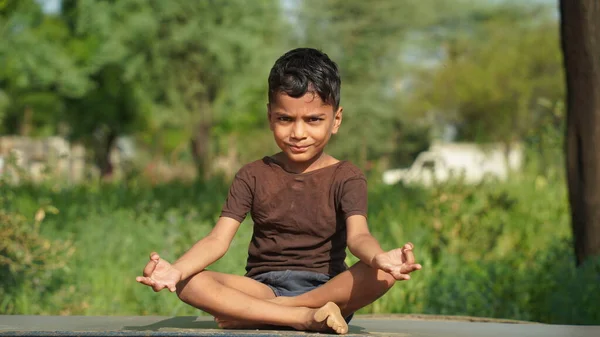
302 126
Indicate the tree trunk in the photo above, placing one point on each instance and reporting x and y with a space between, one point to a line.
26 123
200 146
102 154
580 39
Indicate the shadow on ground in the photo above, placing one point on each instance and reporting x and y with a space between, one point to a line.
192 322
183 322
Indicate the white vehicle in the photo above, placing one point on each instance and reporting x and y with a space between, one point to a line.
468 163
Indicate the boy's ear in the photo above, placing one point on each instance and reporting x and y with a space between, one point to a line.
337 120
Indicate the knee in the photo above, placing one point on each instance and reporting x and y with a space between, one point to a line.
188 289
382 279
386 279
182 290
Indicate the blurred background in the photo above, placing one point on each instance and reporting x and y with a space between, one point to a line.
122 123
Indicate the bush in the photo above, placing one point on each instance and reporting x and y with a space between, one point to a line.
32 266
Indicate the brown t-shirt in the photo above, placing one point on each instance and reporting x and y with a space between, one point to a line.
299 219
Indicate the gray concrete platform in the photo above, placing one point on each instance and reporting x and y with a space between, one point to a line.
392 325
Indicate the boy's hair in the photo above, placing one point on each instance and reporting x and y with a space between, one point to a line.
305 70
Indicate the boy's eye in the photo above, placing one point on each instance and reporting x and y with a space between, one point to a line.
284 119
315 119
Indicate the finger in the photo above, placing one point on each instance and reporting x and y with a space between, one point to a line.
409 255
400 276
158 287
145 280
409 245
409 268
154 256
149 269
172 289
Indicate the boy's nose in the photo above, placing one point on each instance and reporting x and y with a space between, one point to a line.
298 131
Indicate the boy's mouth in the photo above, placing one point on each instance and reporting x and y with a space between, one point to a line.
298 149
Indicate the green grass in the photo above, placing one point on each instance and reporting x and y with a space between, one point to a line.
499 250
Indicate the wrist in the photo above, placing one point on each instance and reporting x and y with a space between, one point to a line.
373 263
180 270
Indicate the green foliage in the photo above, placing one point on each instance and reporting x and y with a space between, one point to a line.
491 79
37 72
101 69
371 42
33 267
176 64
498 250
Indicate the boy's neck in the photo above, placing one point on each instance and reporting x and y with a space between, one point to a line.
319 161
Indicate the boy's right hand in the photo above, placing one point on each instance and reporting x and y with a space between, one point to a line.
399 262
160 274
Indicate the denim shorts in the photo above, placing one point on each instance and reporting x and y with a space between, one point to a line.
293 282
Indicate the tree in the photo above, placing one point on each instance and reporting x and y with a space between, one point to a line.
495 70
185 65
207 56
37 70
59 82
580 37
103 42
371 42
365 40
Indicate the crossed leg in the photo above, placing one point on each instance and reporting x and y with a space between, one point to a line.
351 290
246 300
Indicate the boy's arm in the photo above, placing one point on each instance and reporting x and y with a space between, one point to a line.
360 241
209 249
398 262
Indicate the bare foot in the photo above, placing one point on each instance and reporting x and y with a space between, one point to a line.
328 318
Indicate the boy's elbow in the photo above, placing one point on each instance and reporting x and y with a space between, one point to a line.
352 250
351 246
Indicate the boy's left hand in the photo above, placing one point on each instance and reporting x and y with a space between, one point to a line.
398 262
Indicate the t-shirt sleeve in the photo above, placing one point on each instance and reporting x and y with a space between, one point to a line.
353 198
239 198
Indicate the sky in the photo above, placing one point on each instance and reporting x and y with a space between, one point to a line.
50 6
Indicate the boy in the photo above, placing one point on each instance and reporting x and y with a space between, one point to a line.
307 207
